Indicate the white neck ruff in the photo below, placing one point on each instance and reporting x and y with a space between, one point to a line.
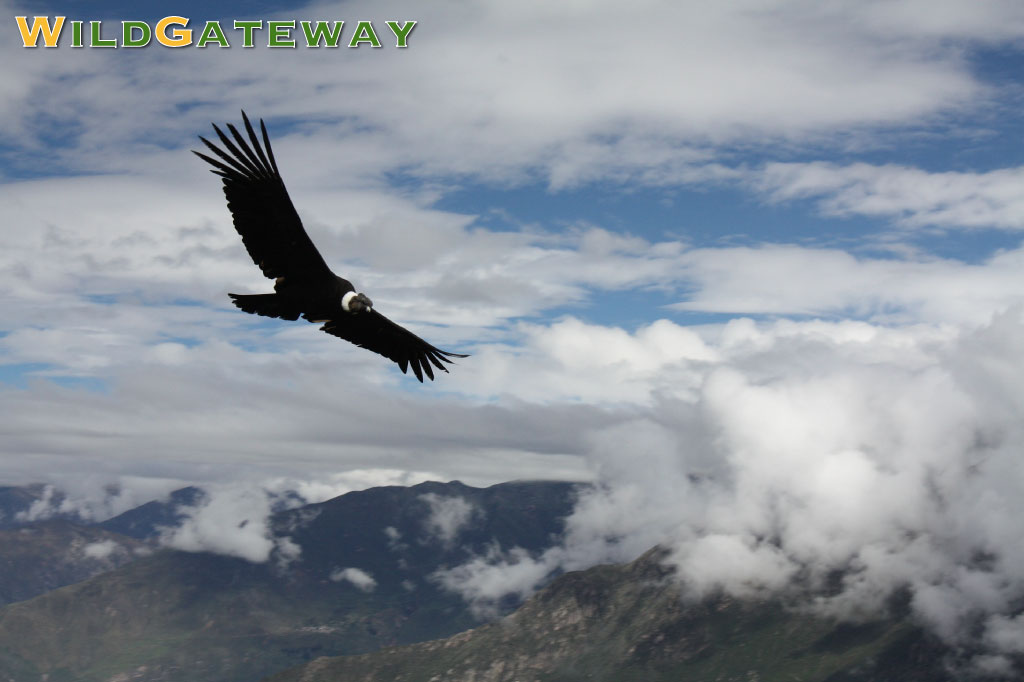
346 300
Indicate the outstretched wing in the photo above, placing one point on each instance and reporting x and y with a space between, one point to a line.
263 213
373 331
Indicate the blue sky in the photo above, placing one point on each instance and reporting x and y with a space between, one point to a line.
777 244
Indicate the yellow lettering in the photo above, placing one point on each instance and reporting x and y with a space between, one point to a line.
30 36
179 37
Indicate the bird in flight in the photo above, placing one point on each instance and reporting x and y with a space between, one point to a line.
303 284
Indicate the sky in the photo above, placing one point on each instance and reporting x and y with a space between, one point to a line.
753 268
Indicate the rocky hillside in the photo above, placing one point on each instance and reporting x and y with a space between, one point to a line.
629 624
359 576
42 556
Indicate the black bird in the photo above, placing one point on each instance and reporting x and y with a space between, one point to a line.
303 284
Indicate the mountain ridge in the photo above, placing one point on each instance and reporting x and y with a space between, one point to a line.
360 600
631 623
197 615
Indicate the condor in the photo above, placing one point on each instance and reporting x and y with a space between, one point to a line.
304 286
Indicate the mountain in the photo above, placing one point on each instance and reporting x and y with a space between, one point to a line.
361 580
16 500
629 623
38 557
16 503
144 522
398 535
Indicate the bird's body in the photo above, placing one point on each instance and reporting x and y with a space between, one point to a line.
303 284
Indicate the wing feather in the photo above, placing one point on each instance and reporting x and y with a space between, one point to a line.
241 159
373 331
257 166
263 213
255 143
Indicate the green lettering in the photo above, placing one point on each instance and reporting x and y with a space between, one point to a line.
364 34
127 30
401 31
213 33
76 34
247 27
97 41
314 35
281 33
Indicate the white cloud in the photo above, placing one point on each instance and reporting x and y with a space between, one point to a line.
286 551
485 580
747 566
358 577
911 196
1006 633
331 485
207 421
575 361
234 521
95 497
811 447
504 91
449 516
103 245
395 539
101 549
795 280
44 507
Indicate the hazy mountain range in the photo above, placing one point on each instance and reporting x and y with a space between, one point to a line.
348 575
355 588
628 623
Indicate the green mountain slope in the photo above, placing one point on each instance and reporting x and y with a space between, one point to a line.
628 624
198 616
41 556
178 616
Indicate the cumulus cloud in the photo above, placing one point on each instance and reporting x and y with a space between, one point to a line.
94 497
46 506
358 577
794 280
486 580
888 455
394 537
234 521
449 516
331 485
100 550
912 196
571 360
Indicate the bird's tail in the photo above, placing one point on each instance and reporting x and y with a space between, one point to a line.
268 305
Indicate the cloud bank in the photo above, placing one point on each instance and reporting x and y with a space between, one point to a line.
540 92
232 522
912 196
888 455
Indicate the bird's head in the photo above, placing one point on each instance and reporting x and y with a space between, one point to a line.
352 302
